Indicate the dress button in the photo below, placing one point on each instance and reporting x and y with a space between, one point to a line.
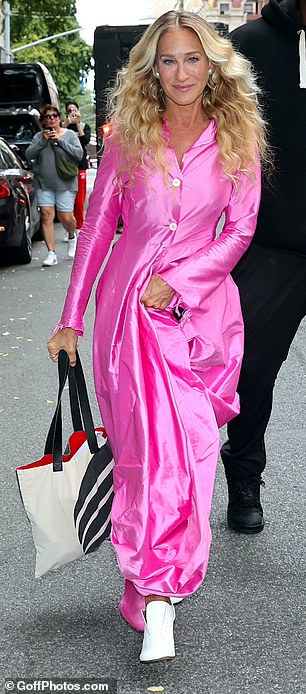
173 226
176 182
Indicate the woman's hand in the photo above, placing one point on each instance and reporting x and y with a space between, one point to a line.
51 135
158 293
48 134
67 339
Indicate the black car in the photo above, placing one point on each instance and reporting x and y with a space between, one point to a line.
19 215
18 127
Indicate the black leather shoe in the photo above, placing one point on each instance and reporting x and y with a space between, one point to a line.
244 512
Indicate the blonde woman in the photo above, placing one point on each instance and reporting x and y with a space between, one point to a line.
168 338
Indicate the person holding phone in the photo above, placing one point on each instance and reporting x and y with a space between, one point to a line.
53 192
74 122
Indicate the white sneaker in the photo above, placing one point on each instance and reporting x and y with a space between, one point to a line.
66 237
158 641
71 247
50 260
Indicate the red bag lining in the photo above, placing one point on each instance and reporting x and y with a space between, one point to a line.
76 440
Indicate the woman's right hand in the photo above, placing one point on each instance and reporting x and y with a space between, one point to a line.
66 339
46 135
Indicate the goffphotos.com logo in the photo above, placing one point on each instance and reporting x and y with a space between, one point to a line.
60 685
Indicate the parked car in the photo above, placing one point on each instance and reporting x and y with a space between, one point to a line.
19 215
18 127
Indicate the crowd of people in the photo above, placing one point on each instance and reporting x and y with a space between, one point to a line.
178 304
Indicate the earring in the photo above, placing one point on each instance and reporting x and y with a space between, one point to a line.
156 74
210 71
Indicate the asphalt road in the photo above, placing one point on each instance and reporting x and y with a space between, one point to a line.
242 633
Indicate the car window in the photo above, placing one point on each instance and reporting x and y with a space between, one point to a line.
7 158
19 85
16 128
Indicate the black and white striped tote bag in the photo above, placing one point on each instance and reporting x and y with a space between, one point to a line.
68 497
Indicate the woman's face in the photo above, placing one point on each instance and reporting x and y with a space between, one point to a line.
182 65
52 119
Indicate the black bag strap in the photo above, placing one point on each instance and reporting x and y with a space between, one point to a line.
56 423
78 394
79 408
74 403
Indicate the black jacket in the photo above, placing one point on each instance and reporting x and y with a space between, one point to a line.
84 140
273 44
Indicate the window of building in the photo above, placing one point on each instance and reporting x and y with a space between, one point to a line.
249 7
224 8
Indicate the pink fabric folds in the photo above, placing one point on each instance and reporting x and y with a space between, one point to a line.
163 386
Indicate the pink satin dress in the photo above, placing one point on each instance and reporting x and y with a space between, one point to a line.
164 386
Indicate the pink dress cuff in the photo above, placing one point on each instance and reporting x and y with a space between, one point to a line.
60 326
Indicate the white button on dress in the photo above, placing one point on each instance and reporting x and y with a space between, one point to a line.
176 182
173 226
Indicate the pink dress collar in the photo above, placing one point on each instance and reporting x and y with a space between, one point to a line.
207 135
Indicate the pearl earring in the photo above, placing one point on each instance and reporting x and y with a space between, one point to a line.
210 71
156 75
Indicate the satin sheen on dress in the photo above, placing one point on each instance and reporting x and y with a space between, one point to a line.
165 387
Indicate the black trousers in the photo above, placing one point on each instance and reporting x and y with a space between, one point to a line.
272 286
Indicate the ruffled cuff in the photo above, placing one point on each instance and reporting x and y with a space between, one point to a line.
60 326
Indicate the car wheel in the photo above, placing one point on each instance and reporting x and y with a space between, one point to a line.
23 254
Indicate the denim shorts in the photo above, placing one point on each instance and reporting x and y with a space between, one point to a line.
63 200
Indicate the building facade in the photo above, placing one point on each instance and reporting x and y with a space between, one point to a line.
232 13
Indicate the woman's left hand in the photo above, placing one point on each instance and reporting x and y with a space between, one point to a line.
158 293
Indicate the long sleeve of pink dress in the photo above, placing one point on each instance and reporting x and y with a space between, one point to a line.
165 386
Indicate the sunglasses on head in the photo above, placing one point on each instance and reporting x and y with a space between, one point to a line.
50 116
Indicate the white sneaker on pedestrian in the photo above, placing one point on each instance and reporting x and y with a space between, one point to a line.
158 641
50 260
71 247
66 237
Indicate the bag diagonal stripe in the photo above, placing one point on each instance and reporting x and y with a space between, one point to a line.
68 497
99 529
94 499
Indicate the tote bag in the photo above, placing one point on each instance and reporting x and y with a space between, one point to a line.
68 497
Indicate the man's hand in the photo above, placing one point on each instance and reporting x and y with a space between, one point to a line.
158 293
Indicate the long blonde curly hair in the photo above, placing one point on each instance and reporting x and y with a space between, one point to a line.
136 104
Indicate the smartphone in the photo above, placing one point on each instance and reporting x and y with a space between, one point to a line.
49 128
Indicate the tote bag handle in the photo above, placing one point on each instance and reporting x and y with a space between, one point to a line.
79 408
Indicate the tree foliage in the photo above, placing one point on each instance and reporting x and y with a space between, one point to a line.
68 57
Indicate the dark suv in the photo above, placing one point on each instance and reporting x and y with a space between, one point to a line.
24 88
27 85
